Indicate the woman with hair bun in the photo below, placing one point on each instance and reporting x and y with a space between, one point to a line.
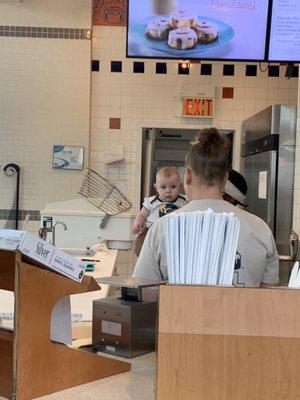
205 176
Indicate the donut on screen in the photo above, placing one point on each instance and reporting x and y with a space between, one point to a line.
158 28
206 32
182 19
182 38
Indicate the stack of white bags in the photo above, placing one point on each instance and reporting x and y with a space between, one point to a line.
294 281
201 247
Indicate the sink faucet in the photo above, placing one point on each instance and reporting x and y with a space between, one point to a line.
53 230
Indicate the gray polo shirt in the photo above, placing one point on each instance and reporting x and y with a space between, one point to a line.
256 258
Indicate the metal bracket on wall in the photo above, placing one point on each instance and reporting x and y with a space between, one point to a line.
12 170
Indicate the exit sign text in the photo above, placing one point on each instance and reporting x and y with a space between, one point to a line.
196 107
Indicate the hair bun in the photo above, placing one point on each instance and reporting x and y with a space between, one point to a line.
208 139
209 156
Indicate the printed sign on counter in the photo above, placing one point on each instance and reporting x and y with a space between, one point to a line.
37 249
43 252
10 239
67 265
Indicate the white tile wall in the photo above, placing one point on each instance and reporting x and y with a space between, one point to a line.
45 92
148 100
44 85
53 13
45 100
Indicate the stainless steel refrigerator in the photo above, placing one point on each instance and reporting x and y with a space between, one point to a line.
268 155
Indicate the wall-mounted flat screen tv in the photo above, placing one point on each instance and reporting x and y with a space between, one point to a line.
284 43
197 29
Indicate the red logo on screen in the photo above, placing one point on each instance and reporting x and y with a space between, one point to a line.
110 12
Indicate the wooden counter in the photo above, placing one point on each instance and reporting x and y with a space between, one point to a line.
227 343
136 384
30 364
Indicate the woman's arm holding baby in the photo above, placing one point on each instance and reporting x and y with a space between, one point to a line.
140 220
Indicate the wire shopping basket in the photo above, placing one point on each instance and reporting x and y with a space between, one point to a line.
103 194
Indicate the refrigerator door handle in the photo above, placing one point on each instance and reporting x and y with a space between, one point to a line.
294 242
285 258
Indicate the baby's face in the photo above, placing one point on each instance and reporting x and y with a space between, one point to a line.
167 187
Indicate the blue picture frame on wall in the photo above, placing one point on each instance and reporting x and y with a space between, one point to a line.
67 157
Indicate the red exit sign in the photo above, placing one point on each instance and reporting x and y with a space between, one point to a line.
198 107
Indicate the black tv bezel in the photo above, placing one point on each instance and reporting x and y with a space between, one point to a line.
267 36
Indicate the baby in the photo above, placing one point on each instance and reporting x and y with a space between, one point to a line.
168 199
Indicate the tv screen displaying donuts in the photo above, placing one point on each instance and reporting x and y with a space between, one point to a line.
284 44
198 29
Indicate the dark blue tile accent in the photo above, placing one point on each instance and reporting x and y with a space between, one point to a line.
95 65
161 68
116 66
251 70
295 73
11 214
206 69
138 67
274 71
228 69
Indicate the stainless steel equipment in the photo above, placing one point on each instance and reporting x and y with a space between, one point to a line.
125 326
166 146
104 195
54 229
85 225
268 153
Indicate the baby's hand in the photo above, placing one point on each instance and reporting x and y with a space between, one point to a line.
136 229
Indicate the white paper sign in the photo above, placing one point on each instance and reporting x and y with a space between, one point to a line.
10 239
67 265
37 249
262 184
112 328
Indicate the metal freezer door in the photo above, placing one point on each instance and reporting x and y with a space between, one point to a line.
260 173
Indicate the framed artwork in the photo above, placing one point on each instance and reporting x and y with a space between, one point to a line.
67 157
